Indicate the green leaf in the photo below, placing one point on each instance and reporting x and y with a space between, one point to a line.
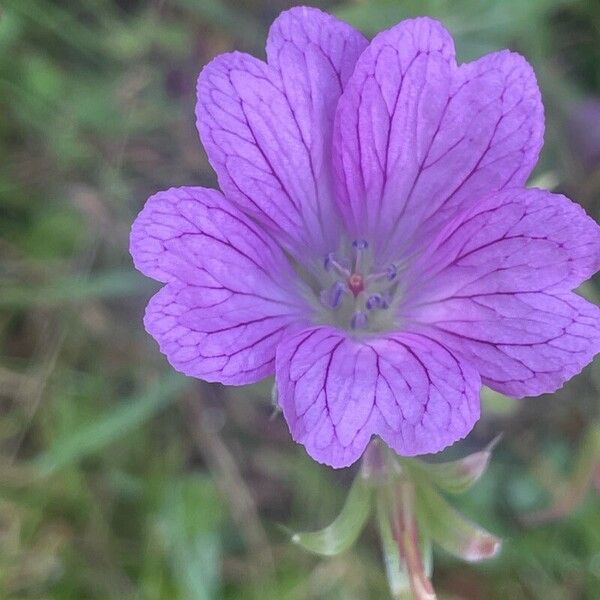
464 18
451 530
112 284
237 20
586 462
340 535
572 492
496 403
110 427
192 516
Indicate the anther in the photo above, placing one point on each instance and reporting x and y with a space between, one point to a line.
330 263
332 297
390 274
359 320
375 301
360 244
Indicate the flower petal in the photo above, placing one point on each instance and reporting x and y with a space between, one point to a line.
230 293
336 392
415 135
495 285
490 136
267 128
308 47
518 240
523 344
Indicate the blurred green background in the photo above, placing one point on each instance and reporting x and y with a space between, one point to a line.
120 479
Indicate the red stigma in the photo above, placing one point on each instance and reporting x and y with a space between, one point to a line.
356 283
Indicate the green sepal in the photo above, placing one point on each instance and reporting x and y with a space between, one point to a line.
451 530
395 567
454 477
343 532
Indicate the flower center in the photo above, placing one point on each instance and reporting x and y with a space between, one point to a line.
356 283
355 294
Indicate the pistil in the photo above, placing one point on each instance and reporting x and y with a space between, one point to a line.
356 283
356 295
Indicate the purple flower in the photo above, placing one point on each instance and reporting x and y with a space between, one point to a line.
374 245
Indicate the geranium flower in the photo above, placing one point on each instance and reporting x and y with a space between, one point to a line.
373 245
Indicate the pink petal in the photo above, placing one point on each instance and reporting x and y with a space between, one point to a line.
267 128
416 135
230 295
496 285
336 392
518 240
523 344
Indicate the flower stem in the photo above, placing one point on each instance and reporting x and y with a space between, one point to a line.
406 533
398 526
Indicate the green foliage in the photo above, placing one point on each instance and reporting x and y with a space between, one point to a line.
112 485
92 437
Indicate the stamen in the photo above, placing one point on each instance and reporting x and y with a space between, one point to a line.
375 301
390 274
359 246
359 320
352 276
386 299
330 263
332 297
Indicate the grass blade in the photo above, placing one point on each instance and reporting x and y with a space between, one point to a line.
112 426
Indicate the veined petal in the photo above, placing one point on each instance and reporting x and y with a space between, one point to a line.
415 135
308 47
523 344
489 138
336 392
385 119
267 127
216 336
517 240
230 295
495 287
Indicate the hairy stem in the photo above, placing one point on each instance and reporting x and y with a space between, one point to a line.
406 533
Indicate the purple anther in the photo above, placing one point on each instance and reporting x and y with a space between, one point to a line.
332 296
375 301
328 261
359 320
